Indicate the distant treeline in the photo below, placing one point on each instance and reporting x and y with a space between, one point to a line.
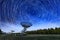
42 31
45 31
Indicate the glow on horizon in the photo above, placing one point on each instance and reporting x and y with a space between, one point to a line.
7 27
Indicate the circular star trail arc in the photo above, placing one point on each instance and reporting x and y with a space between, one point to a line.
34 11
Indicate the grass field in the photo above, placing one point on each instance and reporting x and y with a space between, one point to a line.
30 37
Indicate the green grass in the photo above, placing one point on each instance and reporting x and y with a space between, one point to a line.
13 37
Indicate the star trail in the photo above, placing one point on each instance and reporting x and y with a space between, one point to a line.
41 13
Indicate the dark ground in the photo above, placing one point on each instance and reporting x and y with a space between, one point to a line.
30 37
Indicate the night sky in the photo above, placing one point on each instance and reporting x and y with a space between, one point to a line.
42 14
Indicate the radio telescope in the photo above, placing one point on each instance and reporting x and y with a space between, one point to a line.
25 25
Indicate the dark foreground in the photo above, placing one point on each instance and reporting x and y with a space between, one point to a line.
30 37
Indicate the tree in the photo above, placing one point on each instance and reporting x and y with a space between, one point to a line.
0 31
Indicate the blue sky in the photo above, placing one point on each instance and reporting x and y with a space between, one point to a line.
41 13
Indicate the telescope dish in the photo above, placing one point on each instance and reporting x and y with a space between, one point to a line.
26 24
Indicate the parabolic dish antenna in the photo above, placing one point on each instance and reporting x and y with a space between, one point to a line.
25 25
